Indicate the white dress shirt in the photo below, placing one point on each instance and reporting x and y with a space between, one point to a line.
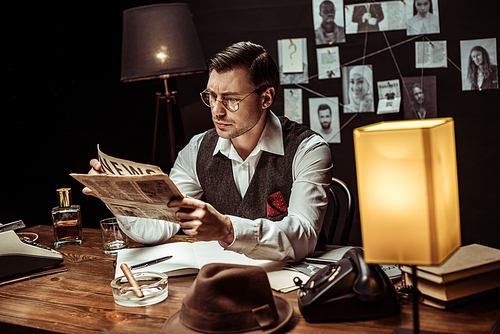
290 239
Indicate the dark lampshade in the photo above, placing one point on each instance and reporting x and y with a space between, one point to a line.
160 41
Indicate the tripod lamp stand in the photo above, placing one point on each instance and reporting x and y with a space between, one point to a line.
160 41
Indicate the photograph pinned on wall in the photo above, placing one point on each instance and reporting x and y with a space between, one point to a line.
422 17
328 20
328 62
293 104
420 98
431 54
389 96
357 87
292 59
479 64
375 16
324 117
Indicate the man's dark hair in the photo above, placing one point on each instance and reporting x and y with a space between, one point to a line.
416 85
324 106
261 67
325 3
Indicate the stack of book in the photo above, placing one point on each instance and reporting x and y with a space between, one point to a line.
470 272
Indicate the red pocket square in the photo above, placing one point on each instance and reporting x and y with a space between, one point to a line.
276 204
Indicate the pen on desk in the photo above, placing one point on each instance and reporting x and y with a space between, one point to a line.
31 277
149 263
314 260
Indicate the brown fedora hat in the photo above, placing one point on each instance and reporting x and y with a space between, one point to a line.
230 298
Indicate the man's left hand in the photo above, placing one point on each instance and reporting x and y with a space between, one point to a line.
202 221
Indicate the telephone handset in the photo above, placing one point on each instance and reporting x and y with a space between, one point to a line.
349 289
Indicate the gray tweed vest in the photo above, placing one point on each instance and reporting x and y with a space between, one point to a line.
273 173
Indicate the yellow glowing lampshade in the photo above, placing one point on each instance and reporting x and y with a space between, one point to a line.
408 191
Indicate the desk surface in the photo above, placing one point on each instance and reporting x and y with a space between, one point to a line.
80 301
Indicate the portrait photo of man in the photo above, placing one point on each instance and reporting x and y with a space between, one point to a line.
324 118
328 19
420 98
372 16
367 16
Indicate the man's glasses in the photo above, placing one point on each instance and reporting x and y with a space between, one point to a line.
231 103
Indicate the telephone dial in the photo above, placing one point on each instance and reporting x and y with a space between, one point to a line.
347 290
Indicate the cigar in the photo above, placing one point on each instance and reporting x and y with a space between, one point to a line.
128 274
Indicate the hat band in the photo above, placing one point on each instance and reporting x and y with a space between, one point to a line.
208 322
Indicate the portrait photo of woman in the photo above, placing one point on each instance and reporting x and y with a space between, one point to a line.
479 64
422 17
357 87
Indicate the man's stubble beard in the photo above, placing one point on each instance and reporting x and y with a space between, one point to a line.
250 122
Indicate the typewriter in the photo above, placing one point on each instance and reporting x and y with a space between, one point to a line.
20 255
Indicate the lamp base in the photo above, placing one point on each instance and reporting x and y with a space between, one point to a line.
411 293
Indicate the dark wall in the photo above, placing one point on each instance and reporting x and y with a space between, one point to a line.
64 97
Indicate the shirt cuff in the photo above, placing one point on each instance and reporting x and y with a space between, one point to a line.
245 236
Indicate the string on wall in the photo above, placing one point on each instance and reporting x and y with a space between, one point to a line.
335 22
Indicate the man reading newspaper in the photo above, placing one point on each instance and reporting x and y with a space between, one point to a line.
264 178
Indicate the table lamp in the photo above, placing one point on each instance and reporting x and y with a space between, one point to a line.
160 41
408 193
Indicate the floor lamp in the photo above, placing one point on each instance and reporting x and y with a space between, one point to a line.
160 41
408 194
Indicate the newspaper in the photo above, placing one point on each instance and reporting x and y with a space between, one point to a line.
389 96
132 189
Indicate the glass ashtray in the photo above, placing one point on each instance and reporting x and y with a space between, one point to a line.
154 286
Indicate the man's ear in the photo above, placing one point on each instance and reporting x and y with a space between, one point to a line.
268 97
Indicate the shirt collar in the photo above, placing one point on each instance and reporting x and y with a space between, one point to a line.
271 140
424 17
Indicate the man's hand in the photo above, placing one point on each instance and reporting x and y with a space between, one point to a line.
96 169
201 221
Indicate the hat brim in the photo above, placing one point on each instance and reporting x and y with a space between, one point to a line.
283 306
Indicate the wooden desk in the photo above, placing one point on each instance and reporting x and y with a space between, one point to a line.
80 301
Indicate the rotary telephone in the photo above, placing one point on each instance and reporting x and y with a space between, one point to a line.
347 290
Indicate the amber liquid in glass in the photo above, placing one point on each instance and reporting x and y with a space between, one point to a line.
67 225
67 230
